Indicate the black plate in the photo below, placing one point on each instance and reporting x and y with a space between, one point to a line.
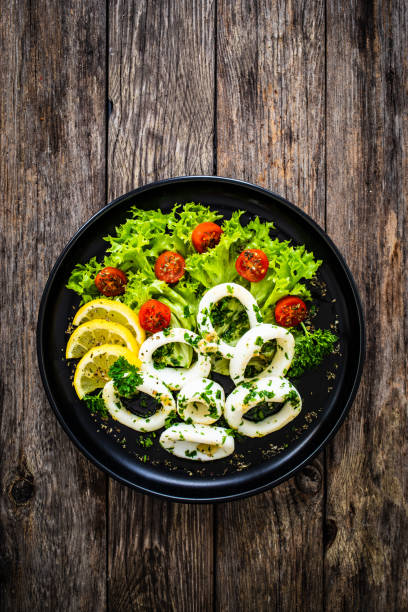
258 464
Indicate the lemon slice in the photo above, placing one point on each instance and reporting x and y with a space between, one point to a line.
92 371
97 332
111 310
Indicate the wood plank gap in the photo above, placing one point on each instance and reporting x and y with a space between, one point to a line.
108 110
324 455
215 139
215 172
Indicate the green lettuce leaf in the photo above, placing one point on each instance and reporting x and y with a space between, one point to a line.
82 280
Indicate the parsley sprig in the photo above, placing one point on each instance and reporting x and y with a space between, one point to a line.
311 349
126 377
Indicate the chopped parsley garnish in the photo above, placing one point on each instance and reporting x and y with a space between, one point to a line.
146 441
293 397
256 393
311 349
126 377
96 405
257 313
191 340
171 419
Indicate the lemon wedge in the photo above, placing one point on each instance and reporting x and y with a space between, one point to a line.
111 310
92 371
97 332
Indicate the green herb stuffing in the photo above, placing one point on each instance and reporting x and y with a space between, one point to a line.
310 350
264 357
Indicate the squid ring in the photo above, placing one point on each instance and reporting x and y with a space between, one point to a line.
152 386
273 389
213 296
197 442
174 378
201 401
249 345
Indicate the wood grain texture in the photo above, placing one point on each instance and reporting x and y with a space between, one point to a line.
367 189
270 130
271 99
311 102
161 84
52 512
161 69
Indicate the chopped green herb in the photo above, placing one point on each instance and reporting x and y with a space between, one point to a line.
96 405
126 377
171 419
311 349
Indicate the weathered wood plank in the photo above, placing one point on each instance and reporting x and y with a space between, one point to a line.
161 85
52 132
270 123
367 186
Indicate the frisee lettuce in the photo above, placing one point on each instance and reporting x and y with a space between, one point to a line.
147 233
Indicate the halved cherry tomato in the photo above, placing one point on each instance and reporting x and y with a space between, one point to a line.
252 264
290 311
206 236
111 281
169 267
154 316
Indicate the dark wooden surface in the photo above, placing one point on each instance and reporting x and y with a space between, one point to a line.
307 98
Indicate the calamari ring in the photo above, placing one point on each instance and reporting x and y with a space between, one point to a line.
273 389
201 401
251 342
197 442
213 296
174 378
152 386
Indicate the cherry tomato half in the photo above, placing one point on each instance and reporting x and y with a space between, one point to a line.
154 316
290 311
206 236
252 264
169 267
111 281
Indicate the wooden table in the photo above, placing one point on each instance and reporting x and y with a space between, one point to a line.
308 98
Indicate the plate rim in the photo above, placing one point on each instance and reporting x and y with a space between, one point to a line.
273 481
